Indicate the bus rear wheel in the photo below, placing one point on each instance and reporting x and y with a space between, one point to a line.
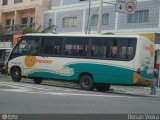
37 80
102 87
86 82
16 74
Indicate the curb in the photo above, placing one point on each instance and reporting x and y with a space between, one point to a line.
133 94
74 86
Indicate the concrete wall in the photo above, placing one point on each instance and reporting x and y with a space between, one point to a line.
153 17
117 21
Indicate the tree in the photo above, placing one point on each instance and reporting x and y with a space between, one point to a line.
49 29
31 30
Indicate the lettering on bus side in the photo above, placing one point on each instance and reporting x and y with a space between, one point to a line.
30 61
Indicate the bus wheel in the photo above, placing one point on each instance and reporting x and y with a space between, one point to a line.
16 74
102 87
86 82
38 80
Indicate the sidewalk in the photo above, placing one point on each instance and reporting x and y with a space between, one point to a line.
134 90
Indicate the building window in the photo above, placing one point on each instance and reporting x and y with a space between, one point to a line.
49 22
24 20
105 20
138 17
8 22
18 1
94 20
5 2
70 22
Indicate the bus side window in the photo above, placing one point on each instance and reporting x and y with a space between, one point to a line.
76 46
98 48
51 45
127 49
130 52
92 53
123 52
48 50
114 49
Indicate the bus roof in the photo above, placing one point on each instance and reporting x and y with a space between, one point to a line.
80 35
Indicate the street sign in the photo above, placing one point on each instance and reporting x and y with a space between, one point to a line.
126 6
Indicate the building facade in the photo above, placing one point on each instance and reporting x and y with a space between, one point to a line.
73 16
16 14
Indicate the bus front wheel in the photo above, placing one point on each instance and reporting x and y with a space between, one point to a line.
86 82
16 74
38 80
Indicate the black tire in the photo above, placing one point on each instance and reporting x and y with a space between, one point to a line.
37 80
16 74
86 82
102 87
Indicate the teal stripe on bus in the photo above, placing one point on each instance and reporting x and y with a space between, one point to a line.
100 73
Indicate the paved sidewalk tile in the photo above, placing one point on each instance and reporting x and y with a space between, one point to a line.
134 90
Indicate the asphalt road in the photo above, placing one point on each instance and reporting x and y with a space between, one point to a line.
28 98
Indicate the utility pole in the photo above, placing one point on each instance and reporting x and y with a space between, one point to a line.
89 15
100 15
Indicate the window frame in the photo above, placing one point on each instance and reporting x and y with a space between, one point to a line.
18 1
137 17
5 2
94 19
78 55
117 58
38 38
70 22
53 37
88 51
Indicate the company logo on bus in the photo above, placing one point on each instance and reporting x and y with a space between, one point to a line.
30 61
150 49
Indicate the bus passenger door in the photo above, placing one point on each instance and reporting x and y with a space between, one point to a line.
29 51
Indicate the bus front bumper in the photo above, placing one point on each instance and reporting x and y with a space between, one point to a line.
138 80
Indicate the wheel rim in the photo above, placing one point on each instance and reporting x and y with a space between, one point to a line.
86 83
15 74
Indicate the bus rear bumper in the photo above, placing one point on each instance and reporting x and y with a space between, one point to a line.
138 80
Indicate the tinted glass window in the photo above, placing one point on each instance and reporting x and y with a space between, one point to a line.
27 45
99 47
75 46
127 48
52 45
113 48
104 48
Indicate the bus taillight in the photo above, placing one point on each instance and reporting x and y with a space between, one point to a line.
138 70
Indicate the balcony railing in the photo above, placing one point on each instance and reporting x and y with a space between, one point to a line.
15 28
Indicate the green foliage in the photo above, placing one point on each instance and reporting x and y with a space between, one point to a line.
49 29
28 30
45 30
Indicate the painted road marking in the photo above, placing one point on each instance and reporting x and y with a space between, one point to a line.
39 90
